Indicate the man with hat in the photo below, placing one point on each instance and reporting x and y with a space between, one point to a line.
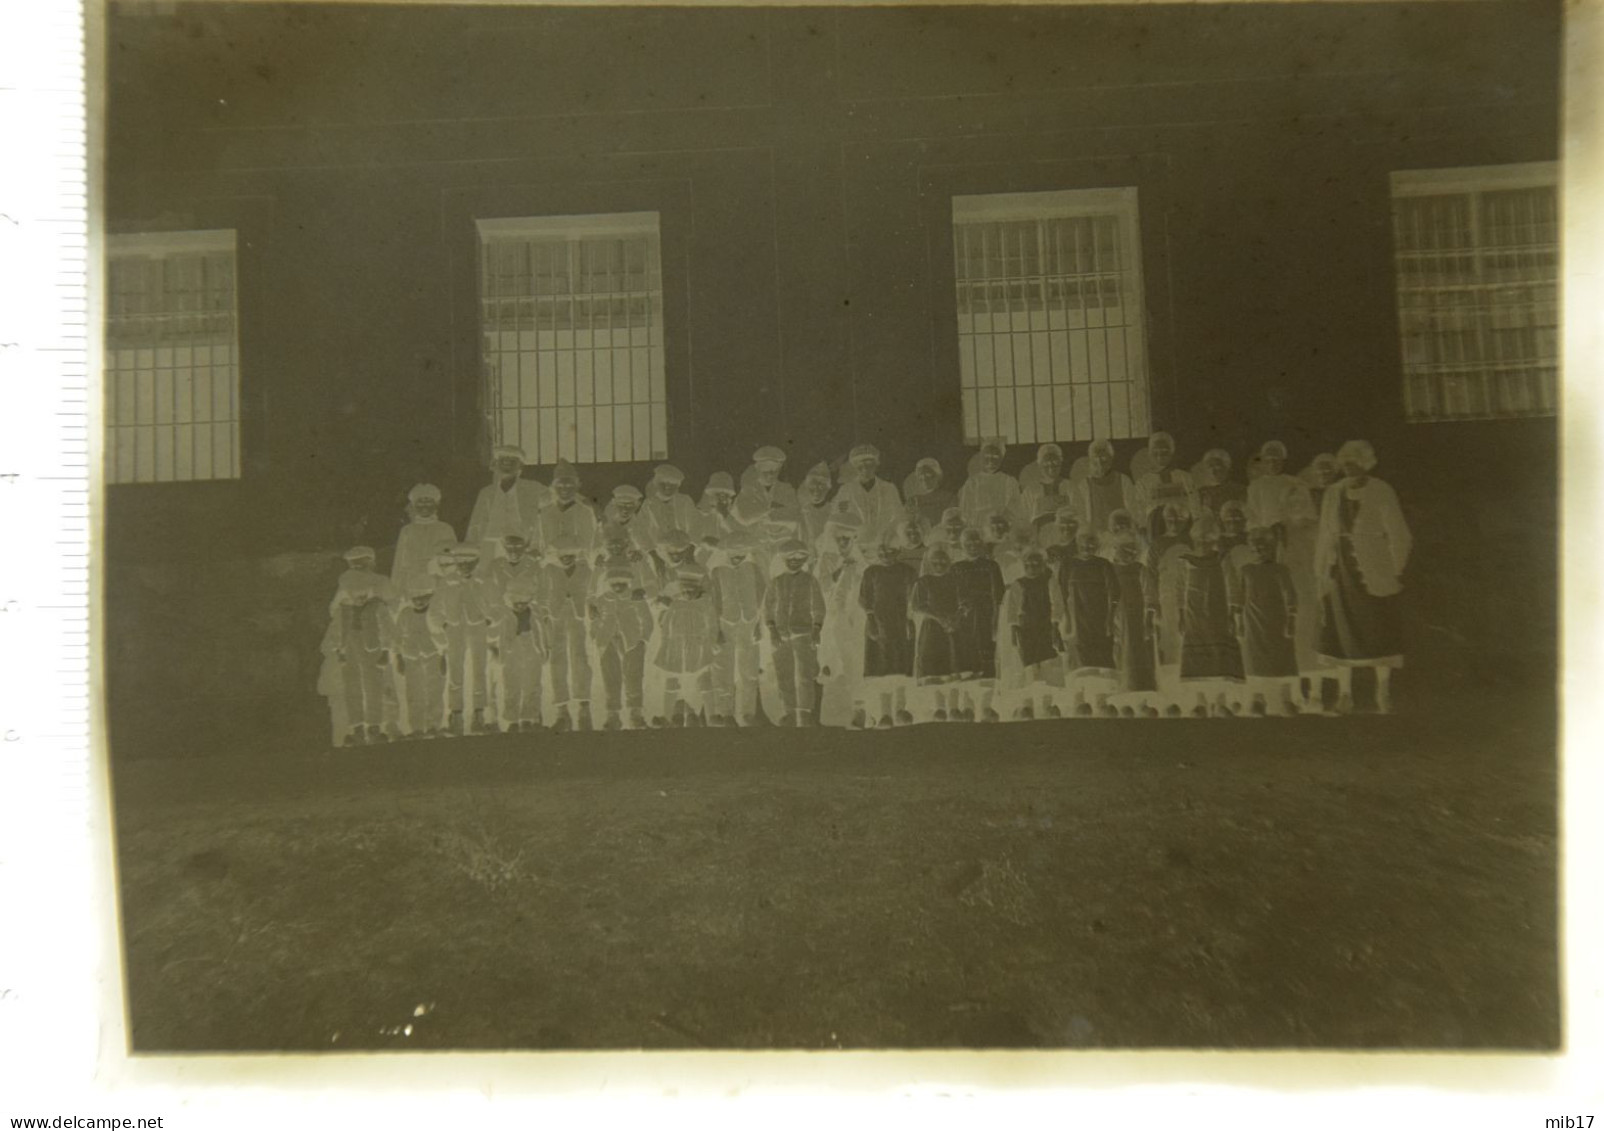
762 492
666 507
1039 502
508 503
793 611
566 515
716 520
927 499
989 488
624 511
877 502
814 503
421 538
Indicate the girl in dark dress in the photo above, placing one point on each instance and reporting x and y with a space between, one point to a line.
1031 612
887 632
1136 610
980 593
1165 567
1088 586
1265 603
933 604
1211 658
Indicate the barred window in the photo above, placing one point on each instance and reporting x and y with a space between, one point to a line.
1051 316
172 358
1477 254
572 318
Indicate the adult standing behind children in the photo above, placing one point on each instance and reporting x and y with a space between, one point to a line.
421 540
1104 490
989 489
1162 484
1360 555
877 502
566 515
508 504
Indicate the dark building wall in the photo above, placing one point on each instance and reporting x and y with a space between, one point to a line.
803 162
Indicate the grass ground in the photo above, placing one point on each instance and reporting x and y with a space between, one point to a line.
1365 882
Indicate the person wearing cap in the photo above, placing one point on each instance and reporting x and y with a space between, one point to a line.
793 611
620 626
1276 499
618 550
623 510
508 504
518 643
1103 491
687 639
877 502
667 507
1049 490
928 500
989 488
762 493
360 639
568 592
1361 552
514 564
813 499
716 510
1216 487
421 538
420 654
567 515
1161 484
464 604
738 582
839 568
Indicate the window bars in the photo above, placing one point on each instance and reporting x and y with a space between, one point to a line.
1051 316
172 358
1477 256
572 322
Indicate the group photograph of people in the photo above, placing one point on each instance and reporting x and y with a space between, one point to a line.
1075 589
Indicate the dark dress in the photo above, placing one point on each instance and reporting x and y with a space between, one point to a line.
888 634
1091 592
980 592
1209 649
1356 625
932 597
1036 620
1268 599
1137 591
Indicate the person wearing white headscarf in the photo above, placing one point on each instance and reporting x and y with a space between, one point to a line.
1039 502
1104 490
508 504
420 541
990 488
1276 499
1361 552
1161 484
877 502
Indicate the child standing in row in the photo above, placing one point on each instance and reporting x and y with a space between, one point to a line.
420 651
884 595
1265 605
687 638
738 586
934 605
980 592
1031 615
793 610
519 643
620 623
1211 659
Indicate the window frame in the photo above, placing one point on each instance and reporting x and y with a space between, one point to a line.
1123 203
1469 181
578 227
159 244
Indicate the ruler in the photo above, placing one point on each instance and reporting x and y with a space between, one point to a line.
54 883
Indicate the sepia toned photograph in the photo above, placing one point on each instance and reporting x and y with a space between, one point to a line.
829 528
